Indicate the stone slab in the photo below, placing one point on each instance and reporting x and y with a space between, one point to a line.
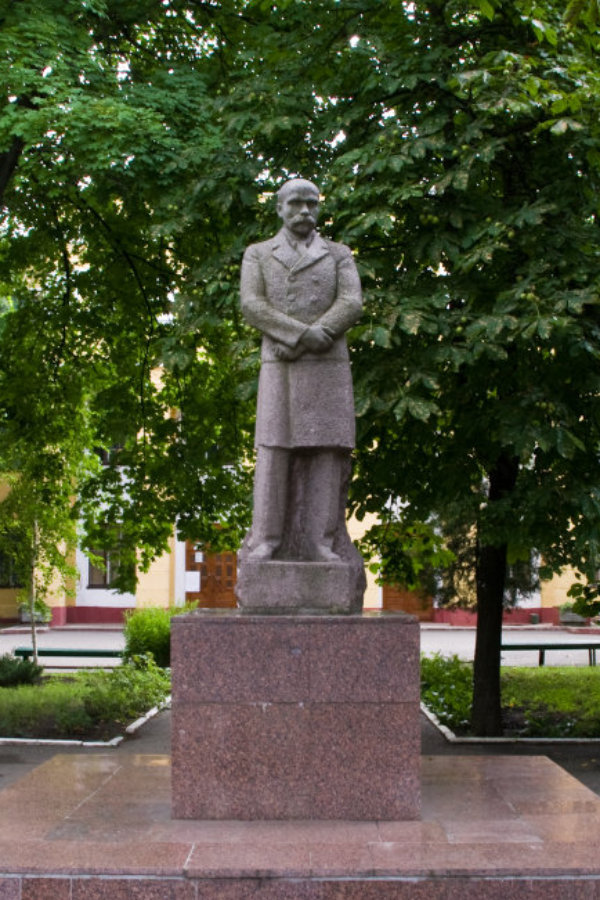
280 717
99 827
272 586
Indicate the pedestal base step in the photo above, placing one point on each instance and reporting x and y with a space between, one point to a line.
99 827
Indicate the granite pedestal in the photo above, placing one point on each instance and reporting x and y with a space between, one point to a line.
295 717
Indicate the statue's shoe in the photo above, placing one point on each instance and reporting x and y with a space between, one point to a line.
262 551
325 554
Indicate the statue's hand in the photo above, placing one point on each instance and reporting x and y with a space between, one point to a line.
317 338
287 353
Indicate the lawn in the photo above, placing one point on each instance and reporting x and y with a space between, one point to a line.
91 704
561 701
86 705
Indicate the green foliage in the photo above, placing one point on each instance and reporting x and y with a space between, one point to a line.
409 552
554 701
120 239
486 294
14 671
549 701
447 689
87 705
54 709
137 148
120 694
148 632
41 611
586 600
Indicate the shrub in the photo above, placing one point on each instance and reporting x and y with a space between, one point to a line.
123 693
148 630
85 705
14 671
447 689
53 709
41 611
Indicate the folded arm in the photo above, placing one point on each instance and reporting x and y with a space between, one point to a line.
347 306
259 312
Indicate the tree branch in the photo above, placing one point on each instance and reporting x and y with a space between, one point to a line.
9 160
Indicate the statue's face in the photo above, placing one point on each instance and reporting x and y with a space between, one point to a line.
299 209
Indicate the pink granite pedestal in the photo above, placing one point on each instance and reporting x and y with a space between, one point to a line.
295 717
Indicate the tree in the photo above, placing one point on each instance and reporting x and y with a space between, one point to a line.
118 208
44 454
478 379
458 148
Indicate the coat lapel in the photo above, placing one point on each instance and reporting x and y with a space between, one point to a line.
283 252
317 250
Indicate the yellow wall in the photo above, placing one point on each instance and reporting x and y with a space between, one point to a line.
372 597
156 587
554 592
59 594
8 603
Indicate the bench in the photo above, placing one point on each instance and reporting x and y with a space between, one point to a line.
27 652
590 646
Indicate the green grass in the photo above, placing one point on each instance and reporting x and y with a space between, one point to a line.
536 702
94 705
561 701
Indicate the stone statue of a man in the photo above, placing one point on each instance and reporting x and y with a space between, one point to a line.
303 293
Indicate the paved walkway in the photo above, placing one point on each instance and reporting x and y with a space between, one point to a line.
447 640
70 637
154 738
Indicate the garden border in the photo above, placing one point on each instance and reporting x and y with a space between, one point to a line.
114 742
452 738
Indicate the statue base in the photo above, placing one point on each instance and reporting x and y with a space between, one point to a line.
272 586
295 717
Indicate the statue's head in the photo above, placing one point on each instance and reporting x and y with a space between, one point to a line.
298 206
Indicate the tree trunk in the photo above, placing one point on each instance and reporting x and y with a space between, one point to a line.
33 624
32 592
9 159
491 574
486 718
8 163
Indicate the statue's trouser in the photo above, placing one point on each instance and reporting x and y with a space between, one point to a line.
271 495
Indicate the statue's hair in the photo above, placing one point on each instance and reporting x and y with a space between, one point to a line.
295 183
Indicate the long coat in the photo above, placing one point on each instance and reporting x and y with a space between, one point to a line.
305 400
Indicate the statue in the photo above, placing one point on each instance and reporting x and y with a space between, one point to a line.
303 293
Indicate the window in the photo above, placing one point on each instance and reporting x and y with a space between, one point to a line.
8 575
104 575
